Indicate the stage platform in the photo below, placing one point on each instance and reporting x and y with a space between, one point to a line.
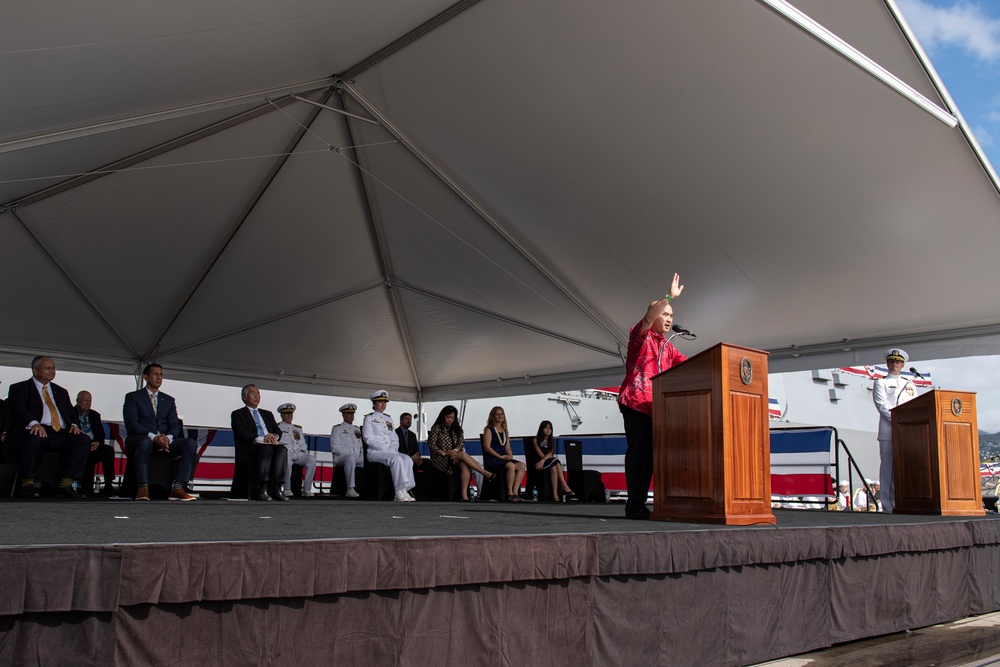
117 582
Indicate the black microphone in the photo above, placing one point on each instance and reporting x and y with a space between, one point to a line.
917 373
683 332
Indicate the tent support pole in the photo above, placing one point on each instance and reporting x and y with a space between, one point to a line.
605 325
76 285
385 263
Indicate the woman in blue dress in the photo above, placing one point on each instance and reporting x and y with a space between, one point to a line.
497 456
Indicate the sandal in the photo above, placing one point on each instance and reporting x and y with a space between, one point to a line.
569 495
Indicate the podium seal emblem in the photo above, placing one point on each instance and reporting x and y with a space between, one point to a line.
746 371
956 406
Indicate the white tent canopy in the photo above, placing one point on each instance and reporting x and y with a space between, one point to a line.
513 182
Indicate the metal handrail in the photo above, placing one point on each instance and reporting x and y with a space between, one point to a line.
838 443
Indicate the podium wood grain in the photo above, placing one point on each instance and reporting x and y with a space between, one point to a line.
935 455
711 448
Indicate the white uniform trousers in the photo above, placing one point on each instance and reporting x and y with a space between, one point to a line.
349 462
887 493
400 465
307 461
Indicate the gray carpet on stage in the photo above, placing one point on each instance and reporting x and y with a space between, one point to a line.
106 582
101 521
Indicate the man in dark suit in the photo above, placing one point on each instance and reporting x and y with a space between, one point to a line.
42 419
408 445
100 452
256 435
152 426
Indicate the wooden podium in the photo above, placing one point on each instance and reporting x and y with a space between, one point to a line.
711 447
935 455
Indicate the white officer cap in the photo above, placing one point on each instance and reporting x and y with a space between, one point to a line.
896 354
348 407
380 395
286 407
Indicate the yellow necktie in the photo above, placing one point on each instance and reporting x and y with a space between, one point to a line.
56 425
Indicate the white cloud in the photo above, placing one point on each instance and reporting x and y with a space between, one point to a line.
984 138
978 374
964 25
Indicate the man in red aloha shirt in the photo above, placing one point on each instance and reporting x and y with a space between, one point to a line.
649 353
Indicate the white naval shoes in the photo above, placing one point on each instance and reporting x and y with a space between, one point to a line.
286 493
351 493
306 493
403 497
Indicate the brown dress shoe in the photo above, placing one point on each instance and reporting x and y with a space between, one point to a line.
180 494
143 493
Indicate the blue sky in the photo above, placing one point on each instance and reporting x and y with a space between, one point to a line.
962 39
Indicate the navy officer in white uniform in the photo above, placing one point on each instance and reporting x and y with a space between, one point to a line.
345 444
383 447
294 440
890 391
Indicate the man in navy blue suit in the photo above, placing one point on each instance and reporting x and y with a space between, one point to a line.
152 426
42 418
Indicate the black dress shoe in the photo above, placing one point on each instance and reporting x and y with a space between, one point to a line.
67 492
262 495
278 496
30 492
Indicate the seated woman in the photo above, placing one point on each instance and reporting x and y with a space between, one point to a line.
497 456
447 444
545 450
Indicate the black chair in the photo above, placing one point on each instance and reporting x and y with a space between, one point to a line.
338 481
162 470
586 484
540 479
442 486
377 480
9 475
246 475
91 482
297 473
49 470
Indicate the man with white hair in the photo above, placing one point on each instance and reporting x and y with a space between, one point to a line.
294 440
889 392
383 447
345 445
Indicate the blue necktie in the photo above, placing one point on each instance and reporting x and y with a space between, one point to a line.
261 431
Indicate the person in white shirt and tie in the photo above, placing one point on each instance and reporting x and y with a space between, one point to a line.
153 427
257 439
42 419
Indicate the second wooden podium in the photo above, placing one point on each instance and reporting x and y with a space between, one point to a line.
935 455
711 446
